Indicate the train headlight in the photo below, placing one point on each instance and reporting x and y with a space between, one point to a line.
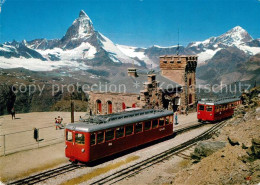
83 150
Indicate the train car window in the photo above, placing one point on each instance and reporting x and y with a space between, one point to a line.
201 107
209 108
161 122
217 109
138 127
232 105
155 123
92 139
167 120
129 130
79 138
69 136
100 137
147 125
109 135
120 132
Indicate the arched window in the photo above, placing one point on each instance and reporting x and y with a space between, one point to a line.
98 107
109 107
123 106
189 81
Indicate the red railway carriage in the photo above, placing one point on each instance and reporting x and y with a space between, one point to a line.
209 110
104 135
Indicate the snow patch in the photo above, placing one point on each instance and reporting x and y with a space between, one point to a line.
39 65
85 50
207 54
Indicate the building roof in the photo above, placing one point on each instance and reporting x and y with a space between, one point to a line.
218 102
181 56
103 122
130 84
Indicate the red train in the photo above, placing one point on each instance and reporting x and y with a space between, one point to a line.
104 135
209 110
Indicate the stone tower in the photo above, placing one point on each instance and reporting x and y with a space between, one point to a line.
181 69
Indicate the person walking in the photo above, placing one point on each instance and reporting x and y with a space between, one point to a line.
176 118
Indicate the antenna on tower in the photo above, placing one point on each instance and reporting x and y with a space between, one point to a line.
178 47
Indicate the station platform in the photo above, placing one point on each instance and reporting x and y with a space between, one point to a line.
44 156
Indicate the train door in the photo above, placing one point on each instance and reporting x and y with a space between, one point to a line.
201 112
69 143
79 145
209 113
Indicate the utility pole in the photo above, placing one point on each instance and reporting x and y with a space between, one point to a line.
72 110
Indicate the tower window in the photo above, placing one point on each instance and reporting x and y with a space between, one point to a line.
190 82
165 62
178 61
172 62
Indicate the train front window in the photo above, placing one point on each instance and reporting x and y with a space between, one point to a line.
79 138
138 127
110 135
100 137
119 132
129 130
155 123
201 107
147 125
92 139
69 136
209 108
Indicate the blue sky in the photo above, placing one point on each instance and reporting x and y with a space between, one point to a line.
130 22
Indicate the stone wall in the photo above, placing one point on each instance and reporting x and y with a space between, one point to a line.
117 100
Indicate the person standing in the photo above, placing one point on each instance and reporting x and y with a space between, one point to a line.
187 111
176 118
13 113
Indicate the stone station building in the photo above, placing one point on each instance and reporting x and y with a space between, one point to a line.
173 87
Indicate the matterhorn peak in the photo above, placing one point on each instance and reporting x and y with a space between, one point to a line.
81 28
82 13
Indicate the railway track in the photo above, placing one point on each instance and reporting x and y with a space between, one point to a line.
135 168
70 167
46 175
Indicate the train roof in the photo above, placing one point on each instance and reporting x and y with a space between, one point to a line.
217 102
102 122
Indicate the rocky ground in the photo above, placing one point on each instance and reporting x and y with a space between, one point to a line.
232 155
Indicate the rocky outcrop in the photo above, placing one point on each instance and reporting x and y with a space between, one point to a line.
254 150
233 141
206 148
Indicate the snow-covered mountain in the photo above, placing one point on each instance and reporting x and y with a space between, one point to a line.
82 45
236 37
